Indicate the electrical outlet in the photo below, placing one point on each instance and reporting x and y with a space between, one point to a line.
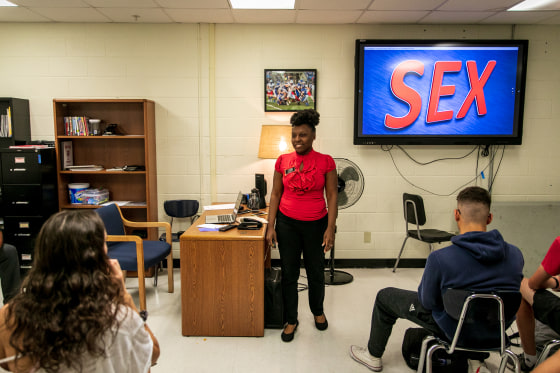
367 237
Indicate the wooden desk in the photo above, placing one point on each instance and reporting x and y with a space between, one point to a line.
222 281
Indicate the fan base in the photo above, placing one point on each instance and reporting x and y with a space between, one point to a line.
336 277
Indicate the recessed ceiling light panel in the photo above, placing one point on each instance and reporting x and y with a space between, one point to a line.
262 4
529 5
6 3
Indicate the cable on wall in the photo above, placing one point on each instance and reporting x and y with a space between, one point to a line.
488 151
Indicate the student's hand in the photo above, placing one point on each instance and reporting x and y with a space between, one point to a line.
116 271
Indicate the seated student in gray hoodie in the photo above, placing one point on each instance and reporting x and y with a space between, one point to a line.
476 260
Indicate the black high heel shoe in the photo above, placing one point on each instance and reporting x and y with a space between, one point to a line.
322 325
289 337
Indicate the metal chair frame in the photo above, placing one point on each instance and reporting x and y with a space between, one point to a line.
418 230
505 353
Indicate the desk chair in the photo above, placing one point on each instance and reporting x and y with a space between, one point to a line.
547 350
132 252
180 208
414 213
481 326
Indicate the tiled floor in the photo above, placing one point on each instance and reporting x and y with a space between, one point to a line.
348 309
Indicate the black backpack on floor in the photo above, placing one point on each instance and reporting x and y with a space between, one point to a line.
442 362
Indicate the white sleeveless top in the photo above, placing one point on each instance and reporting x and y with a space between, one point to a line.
130 352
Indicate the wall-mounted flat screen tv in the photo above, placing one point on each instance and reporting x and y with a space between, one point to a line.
411 92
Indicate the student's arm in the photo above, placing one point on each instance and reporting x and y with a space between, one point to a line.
542 280
277 189
550 365
429 291
1 238
331 187
117 274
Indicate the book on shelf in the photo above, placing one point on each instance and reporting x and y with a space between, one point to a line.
86 167
6 123
67 154
76 126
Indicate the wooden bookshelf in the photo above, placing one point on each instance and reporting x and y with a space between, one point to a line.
135 144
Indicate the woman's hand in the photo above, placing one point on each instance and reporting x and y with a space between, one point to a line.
328 239
270 236
116 271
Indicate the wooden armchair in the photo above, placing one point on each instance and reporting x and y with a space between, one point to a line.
133 253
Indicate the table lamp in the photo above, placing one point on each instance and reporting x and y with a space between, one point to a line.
275 140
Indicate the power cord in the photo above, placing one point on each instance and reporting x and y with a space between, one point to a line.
474 179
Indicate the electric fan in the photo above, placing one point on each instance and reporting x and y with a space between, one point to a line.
350 189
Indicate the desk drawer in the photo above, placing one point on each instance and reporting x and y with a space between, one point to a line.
21 168
22 200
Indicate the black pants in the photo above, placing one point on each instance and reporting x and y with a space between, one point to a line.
392 304
9 271
546 307
294 238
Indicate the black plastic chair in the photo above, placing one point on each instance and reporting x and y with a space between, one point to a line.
482 319
414 213
180 208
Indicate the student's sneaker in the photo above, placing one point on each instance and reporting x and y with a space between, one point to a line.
362 356
477 366
523 364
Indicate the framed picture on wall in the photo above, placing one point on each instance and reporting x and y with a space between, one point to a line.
290 89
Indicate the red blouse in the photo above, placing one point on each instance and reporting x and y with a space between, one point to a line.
303 177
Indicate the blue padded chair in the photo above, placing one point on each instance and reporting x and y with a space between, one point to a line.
133 253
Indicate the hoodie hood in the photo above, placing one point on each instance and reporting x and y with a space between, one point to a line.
485 247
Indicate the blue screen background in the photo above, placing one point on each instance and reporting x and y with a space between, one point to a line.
499 90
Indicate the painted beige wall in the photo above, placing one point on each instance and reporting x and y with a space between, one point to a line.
207 83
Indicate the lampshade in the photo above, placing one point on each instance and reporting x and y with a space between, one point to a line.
275 140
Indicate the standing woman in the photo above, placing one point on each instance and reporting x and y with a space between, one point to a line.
300 220
74 313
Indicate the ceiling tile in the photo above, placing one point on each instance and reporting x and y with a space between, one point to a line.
14 14
333 4
456 17
264 16
200 15
554 20
51 3
145 15
521 17
328 16
72 14
478 5
405 5
390 16
122 3
195 4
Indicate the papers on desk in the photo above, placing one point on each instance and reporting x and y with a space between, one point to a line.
226 206
209 227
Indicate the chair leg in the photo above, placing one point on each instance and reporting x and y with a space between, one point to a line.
546 351
425 342
399 256
429 355
156 270
504 359
170 285
142 288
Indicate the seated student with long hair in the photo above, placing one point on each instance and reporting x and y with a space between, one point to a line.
74 313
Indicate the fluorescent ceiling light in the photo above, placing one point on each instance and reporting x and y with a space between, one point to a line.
262 4
529 5
6 3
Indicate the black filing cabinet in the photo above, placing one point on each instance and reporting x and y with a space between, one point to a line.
29 196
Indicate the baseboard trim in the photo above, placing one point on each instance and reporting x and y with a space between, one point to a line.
354 263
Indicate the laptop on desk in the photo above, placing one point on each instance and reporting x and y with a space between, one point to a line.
226 218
